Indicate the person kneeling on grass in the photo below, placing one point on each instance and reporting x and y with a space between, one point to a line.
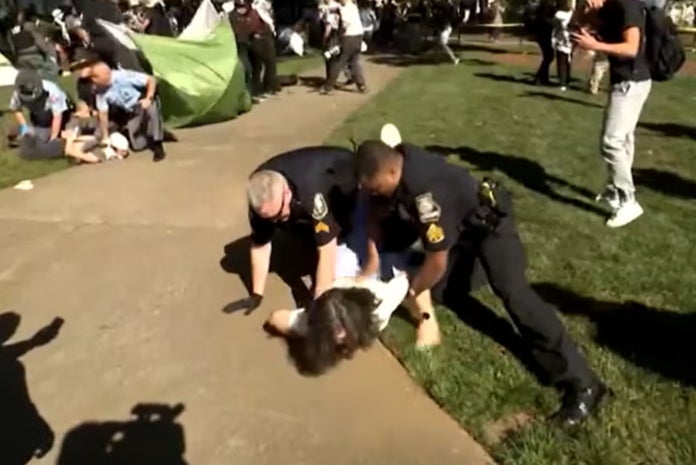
346 317
133 95
49 111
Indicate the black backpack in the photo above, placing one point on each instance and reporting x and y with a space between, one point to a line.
664 51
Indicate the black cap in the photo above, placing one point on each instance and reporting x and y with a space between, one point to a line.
28 85
83 57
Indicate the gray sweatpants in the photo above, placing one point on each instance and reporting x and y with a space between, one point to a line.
617 146
39 146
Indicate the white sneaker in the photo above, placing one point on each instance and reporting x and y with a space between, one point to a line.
456 61
390 135
626 213
563 88
611 197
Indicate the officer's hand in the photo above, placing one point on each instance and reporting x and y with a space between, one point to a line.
145 103
248 304
25 130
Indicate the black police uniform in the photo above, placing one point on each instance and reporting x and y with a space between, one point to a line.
436 201
324 192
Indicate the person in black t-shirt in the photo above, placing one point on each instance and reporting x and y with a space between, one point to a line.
617 28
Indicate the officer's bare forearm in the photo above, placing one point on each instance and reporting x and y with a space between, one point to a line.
371 265
429 274
104 123
260 264
56 124
326 267
19 117
151 88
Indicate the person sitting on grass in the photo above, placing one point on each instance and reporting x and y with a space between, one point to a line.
49 111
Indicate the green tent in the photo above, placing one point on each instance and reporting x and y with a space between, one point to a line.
200 81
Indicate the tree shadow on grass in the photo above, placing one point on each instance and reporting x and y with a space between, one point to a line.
659 340
559 98
665 182
671 129
529 173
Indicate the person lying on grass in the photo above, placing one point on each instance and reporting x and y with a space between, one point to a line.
345 318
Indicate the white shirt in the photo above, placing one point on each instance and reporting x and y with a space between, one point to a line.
561 35
390 294
350 17
329 14
265 11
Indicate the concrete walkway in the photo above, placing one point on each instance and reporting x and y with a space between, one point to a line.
128 254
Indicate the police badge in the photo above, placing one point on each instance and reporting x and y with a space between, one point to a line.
428 210
319 209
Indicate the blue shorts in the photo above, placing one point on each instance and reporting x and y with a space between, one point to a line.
352 251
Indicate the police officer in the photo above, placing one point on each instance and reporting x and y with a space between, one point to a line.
309 192
49 110
444 205
134 97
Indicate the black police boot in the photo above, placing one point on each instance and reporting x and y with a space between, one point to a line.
158 153
579 404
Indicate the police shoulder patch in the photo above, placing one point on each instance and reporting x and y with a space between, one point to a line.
321 227
428 209
435 234
319 208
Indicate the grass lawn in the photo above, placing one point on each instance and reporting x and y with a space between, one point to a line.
628 296
13 169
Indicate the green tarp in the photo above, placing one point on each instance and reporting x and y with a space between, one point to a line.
200 82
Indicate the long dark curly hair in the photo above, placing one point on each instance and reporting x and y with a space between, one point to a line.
340 322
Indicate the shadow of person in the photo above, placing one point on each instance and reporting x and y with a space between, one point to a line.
658 340
151 437
527 172
561 98
506 78
670 129
314 82
291 260
24 434
665 182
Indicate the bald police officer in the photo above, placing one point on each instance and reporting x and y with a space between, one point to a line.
443 205
309 192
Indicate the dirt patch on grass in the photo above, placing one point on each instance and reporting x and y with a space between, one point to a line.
497 431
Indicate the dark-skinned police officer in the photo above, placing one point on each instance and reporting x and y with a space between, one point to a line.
444 205
308 192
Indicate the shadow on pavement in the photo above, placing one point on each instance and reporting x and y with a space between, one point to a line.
291 260
152 437
24 434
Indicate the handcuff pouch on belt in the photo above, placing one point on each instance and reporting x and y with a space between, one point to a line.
494 205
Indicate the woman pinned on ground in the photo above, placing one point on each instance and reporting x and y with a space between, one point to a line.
351 313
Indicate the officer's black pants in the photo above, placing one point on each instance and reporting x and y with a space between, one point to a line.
502 256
